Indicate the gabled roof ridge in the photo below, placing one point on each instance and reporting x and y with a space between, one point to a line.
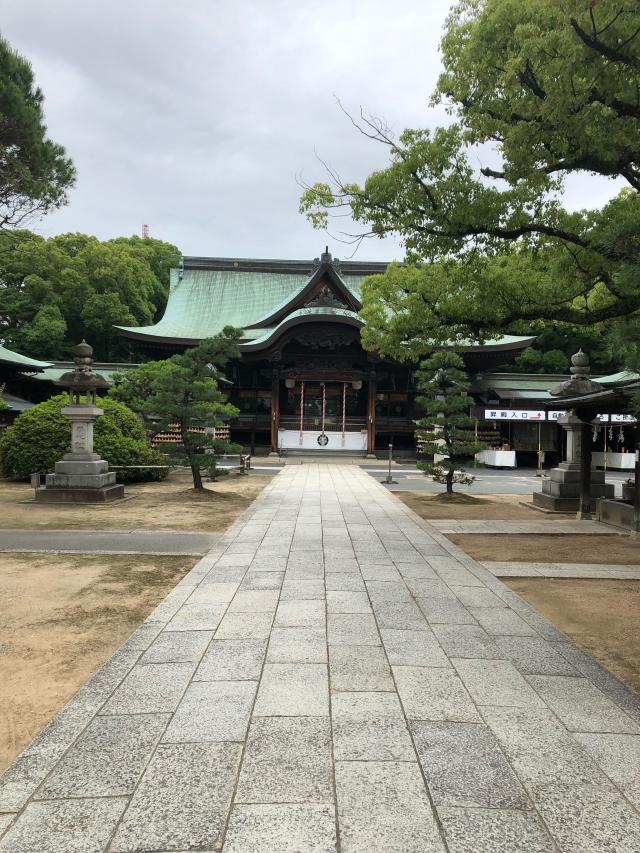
282 265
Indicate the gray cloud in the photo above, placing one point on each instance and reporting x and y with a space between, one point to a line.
196 116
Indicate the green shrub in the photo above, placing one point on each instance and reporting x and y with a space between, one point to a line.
42 435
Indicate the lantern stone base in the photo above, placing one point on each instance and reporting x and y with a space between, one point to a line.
561 489
80 481
46 494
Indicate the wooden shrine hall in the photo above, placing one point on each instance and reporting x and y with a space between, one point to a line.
303 381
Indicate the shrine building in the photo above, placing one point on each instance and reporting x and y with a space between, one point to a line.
303 380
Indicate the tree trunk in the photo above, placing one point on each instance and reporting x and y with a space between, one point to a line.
450 481
197 477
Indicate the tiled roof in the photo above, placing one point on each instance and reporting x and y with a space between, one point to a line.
21 362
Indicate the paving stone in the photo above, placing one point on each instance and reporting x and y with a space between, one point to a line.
297 645
359 668
413 648
302 589
533 655
281 828
352 629
612 687
540 749
213 711
588 818
383 805
287 760
152 688
494 831
385 591
344 582
67 826
464 766
305 613
245 626
21 779
458 576
619 757
369 727
348 602
416 570
400 615
433 694
581 706
5 820
213 593
378 572
182 800
293 690
262 580
341 566
232 660
477 596
496 682
365 704
445 611
502 621
467 641
255 601
107 759
197 617
430 589
178 647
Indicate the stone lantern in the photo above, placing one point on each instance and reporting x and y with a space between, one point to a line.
563 489
81 476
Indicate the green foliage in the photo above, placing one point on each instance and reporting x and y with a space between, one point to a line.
538 91
35 173
55 292
42 435
447 429
183 392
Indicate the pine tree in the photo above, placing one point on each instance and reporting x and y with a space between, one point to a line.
447 429
184 394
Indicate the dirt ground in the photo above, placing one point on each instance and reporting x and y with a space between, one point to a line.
558 548
601 616
169 505
497 507
61 618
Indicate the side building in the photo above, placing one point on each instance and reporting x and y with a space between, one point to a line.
304 380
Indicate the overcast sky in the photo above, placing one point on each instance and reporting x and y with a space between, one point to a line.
197 116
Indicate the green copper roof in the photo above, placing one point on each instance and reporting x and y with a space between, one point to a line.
23 362
300 316
207 294
54 371
202 302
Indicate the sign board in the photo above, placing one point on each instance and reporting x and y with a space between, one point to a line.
524 415
513 415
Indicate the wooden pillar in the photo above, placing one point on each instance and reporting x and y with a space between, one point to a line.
275 408
584 507
371 415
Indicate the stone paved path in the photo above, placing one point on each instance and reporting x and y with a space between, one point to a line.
336 676
544 525
598 571
114 542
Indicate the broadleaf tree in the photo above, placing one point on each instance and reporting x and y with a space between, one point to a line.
537 92
35 172
183 393
447 429
79 287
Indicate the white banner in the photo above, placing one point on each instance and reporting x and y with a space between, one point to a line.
513 415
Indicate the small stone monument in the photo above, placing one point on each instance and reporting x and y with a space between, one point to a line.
81 476
561 489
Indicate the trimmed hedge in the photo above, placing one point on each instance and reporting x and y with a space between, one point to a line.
42 435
